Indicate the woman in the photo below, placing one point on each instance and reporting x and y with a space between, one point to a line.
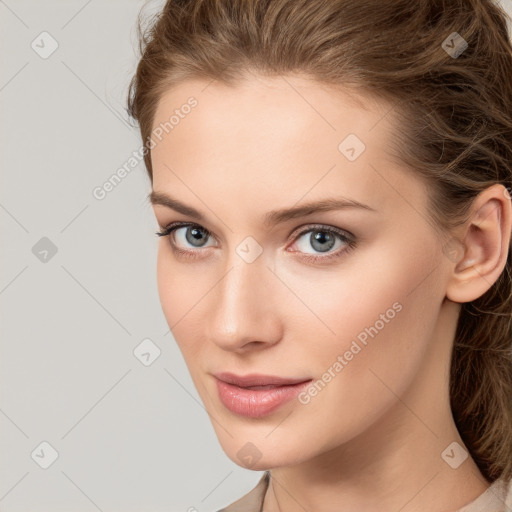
331 179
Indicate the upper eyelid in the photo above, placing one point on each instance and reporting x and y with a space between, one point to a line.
298 231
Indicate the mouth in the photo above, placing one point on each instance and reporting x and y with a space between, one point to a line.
257 395
258 380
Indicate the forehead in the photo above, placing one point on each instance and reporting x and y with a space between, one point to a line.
274 103
273 137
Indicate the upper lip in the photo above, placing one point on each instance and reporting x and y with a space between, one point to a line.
255 379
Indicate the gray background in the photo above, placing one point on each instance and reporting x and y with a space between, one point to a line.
129 437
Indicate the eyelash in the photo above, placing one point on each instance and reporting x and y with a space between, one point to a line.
349 240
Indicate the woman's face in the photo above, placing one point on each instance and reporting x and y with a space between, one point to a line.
347 298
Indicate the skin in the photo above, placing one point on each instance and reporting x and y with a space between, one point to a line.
372 439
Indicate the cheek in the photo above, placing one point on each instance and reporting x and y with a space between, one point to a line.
177 301
383 316
380 293
165 281
180 291
174 290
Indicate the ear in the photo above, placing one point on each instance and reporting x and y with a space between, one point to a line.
485 244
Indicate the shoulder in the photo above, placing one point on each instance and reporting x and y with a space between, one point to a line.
252 501
508 494
497 498
500 490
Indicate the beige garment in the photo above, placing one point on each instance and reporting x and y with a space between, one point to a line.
497 498
253 501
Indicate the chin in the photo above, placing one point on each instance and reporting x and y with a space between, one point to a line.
260 453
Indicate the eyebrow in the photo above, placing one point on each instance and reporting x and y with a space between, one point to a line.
271 218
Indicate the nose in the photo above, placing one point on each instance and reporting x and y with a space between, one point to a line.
245 310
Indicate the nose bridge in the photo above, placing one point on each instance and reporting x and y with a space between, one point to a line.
243 302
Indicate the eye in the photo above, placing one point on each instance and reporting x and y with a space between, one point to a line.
193 234
322 239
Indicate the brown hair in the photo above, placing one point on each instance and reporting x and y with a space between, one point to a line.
454 128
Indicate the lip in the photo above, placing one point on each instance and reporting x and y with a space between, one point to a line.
238 394
257 379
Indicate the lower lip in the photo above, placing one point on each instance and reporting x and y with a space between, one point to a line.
255 403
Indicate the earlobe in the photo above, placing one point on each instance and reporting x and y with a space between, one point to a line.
486 241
